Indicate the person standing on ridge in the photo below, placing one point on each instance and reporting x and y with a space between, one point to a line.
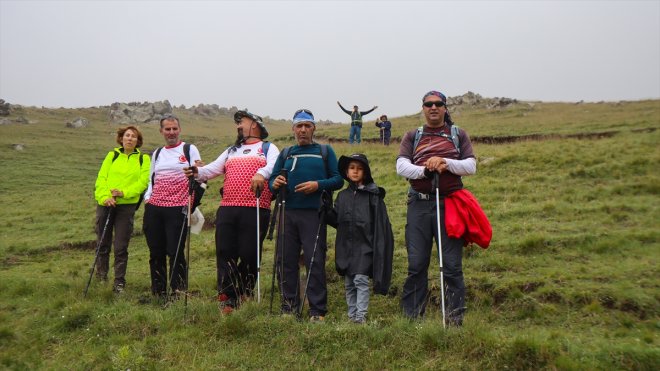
356 122
385 129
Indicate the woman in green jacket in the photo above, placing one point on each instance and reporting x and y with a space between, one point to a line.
122 179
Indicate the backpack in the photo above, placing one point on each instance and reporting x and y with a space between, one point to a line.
453 138
114 157
198 189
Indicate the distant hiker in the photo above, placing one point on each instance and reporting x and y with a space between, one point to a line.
164 220
311 169
434 151
247 165
121 181
385 129
364 244
356 122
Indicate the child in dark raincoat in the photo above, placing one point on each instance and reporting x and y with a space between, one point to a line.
364 243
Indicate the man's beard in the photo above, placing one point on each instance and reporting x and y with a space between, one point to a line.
240 139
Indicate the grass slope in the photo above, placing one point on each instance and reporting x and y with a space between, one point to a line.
569 282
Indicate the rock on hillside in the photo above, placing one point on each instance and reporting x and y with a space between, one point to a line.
4 108
476 100
77 123
138 113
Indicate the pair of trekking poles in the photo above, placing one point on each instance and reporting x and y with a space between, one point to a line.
279 218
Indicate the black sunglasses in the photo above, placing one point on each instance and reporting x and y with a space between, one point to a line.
438 104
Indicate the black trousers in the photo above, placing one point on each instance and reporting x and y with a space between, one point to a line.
236 248
421 229
302 231
165 230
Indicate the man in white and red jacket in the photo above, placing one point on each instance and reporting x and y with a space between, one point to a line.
164 220
246 167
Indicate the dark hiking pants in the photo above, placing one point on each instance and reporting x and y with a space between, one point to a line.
121 223
421 229
301 228
164 228
236 248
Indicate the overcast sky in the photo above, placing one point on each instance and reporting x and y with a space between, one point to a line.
274 57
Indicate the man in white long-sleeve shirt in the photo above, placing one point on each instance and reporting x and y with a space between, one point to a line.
435 152
246 166
164 220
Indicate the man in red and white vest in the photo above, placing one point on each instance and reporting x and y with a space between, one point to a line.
246 167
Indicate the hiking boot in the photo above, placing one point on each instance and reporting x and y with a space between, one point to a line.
359 321
225 303
118 288
316 319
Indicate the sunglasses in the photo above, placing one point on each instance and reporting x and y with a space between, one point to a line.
168 117
304 110
438 104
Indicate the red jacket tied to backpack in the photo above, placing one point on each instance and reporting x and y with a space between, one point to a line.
464 218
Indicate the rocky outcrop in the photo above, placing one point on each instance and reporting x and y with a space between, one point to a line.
77 123
138 113
4 108
476 100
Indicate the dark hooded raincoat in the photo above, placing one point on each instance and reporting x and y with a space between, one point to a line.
364 243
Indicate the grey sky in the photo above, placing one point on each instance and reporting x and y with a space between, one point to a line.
277 56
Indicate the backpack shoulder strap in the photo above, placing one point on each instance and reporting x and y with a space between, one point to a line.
455 138
418 137
186 152
324 156
285 153
156 153
264 147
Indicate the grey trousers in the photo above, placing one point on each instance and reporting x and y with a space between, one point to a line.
357 296
121 222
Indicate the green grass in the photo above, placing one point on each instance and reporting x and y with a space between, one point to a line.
570 280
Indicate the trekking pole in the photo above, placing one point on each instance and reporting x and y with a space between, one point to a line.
258 194
273 219
279 244
436 185
176 255
311 263
190 204
98 248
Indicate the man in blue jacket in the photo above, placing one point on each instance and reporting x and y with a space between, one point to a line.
311 168
356 122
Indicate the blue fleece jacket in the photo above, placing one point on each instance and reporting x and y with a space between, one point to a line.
304 163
